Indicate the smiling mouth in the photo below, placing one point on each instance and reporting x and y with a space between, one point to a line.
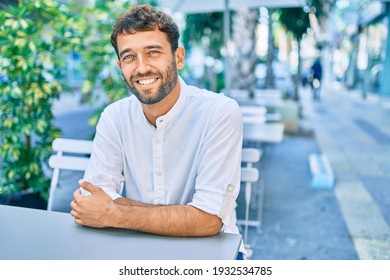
145 82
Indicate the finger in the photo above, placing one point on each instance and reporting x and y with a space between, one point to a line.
77 194
73 204
87 186
78 221
75 214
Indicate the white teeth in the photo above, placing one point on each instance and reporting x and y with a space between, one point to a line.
146 82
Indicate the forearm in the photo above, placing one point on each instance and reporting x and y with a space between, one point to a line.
132 202
174 220
99 210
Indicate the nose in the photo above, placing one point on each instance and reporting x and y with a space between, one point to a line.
143 65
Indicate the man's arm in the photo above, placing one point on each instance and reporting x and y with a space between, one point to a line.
99 210
131 202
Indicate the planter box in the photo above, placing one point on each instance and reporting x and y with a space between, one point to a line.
290 115
24 199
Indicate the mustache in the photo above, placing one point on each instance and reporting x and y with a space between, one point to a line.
144 75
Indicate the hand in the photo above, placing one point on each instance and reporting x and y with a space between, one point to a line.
94 210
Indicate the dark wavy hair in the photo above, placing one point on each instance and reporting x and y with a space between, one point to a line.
145 18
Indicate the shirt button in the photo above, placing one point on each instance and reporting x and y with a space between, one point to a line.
158 141
230 188
159 173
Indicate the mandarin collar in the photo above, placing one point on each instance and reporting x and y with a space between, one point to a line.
173 112
176 108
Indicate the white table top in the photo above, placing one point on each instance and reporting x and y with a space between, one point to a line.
267 133
253 114
259 101
31 234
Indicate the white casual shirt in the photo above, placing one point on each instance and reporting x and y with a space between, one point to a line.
192 156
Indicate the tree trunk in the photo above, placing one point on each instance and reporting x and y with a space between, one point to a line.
298 74
244 60
269 78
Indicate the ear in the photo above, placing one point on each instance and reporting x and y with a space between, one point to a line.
179 56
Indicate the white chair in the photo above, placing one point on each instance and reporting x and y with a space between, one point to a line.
71 154
249 175
250 156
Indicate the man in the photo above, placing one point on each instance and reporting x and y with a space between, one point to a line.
177 148
316 77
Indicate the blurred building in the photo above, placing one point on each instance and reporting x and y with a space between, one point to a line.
361 45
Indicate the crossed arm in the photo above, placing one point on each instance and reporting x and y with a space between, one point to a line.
99 210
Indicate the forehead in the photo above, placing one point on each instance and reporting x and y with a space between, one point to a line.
142 39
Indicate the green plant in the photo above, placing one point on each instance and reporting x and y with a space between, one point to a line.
100 68
205 30
35 37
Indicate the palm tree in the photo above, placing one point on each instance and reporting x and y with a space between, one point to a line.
244 61
269 78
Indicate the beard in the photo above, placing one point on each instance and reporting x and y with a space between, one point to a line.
152 96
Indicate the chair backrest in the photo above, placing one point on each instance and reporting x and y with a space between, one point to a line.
70 154
72 146
249 174
250 156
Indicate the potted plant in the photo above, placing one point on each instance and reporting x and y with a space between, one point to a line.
35 37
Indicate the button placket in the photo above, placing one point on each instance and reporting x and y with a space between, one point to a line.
158 171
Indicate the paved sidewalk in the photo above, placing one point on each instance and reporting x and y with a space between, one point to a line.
355 135
298 222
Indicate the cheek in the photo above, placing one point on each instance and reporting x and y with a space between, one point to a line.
127 72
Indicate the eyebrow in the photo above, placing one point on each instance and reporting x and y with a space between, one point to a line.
124 51
147 48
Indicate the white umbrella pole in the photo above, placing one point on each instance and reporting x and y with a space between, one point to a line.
226 26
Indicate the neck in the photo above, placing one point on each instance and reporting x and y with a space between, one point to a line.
154 111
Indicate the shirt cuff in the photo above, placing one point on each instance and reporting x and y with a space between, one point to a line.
224 207
114 195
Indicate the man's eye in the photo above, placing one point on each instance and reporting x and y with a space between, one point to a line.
154 52
128 57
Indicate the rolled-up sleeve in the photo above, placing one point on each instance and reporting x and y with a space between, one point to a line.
219 168
105 168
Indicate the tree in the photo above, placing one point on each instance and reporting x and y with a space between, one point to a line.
244 36
297 21
206 31
269 78
35 38
102 77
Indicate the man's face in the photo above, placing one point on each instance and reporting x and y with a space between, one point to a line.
148 66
